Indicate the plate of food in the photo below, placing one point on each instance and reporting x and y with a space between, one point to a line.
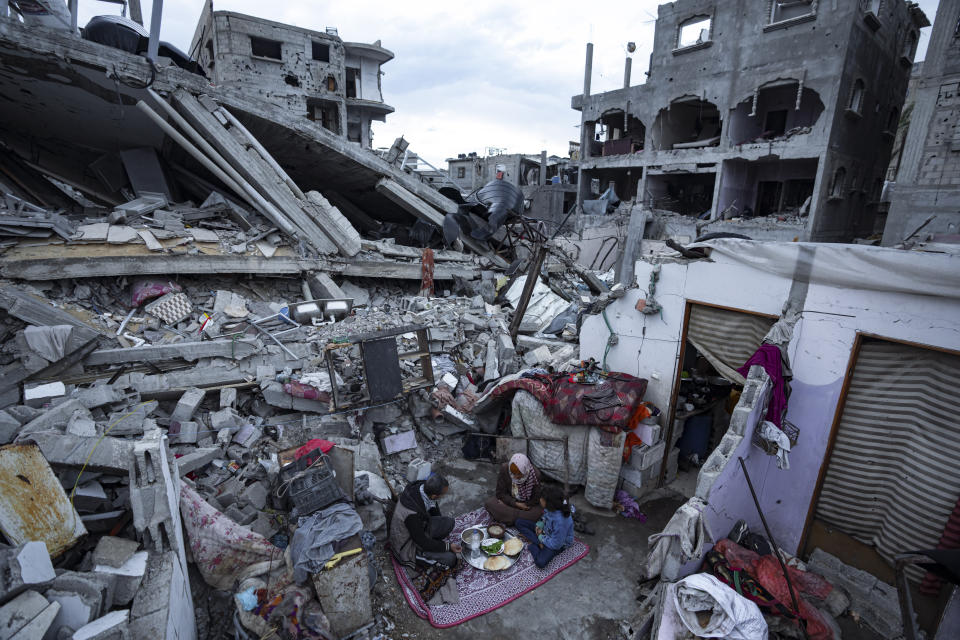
497 563
491 546
513 547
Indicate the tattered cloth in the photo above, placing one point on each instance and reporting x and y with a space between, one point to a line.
612 405
223 550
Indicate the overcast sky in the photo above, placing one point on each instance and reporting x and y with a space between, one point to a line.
475 74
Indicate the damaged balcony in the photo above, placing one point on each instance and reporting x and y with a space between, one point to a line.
687 123
777 111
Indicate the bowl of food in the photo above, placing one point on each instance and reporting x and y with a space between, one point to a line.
513 547
491 546
471 538
496 531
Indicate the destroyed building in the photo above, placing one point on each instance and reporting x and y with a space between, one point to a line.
926 196
756 109
311 74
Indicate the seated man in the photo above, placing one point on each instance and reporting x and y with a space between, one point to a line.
418 530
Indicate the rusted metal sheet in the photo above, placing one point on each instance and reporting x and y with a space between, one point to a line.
33 504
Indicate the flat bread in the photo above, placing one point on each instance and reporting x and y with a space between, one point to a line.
513 546
496 563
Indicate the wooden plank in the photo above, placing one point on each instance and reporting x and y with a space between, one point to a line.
252 168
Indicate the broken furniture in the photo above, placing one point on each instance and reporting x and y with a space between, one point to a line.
381 366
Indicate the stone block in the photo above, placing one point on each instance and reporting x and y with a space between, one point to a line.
228 397
114 552
226 419
9 427
27 617
243 516
93 588
183 432
255 495
107 454
344 595
247 435
76 610
131 422
23 413
536 356
126 578
374 519
98 396
264 525
82 425
112 626
54 418
322 286
197 459
187 405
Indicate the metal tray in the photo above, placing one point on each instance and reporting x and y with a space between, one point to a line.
476 561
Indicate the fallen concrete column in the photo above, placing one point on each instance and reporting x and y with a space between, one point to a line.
164 601
333 223
322 286
189 351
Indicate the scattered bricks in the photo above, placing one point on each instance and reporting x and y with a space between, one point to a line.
112 626
55 418
226 419
241 516
27 617
197 459
265 372
536 356
82 425
645 456
507 354
98 396
186 432
39 395
264 525
107 454
187 405
22 567
126 578
230 304
114 552
130 422
491 369
228 397
255 495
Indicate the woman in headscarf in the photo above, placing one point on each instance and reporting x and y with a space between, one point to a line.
518 492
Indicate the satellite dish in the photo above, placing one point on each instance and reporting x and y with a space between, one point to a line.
631 46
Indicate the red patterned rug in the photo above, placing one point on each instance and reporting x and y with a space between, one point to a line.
483 591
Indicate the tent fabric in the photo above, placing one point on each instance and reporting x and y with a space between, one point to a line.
726 338
846 266
891 481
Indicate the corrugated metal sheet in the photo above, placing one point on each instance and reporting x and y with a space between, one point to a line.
33 504
892 479
726 338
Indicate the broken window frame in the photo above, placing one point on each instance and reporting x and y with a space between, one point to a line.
258 42
461 172
322 47
352 82
774 21
857 97
700 42
909 50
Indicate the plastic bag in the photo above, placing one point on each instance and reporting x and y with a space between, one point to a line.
148 289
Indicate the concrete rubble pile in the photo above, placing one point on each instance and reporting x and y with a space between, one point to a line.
123 398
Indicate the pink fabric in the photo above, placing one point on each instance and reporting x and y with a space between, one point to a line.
524 487
324 445
484 591
768 357
221 548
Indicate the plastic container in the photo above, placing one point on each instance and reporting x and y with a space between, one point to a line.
418 470
313 487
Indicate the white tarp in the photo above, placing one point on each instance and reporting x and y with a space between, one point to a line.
847 266
731 615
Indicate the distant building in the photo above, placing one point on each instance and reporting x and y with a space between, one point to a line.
928 179
758 109
316 74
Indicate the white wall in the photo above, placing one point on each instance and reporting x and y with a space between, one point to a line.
819 353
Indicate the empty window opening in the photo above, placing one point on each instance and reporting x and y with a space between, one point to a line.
774 112
767 187
781 10
210 54
871 6
694 31
839 182
263 48
291 80
623 134
683 193
856 96
353 78
331 84
687 123
320 51
893 120
461 172
326 112
354 132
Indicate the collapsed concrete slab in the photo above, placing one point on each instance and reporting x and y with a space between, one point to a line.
24 566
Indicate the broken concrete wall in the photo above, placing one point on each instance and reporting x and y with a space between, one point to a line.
820 351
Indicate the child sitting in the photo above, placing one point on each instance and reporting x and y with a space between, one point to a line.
553 532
